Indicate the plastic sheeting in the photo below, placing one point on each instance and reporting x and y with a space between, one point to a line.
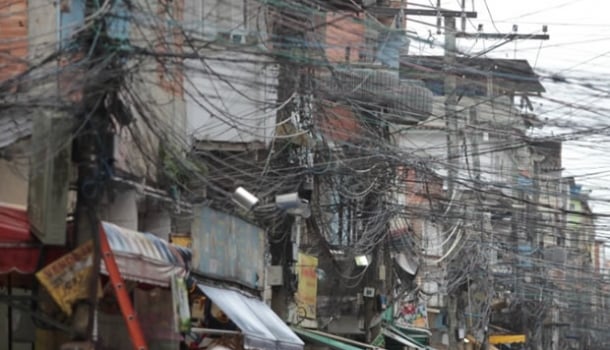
143 257
261 327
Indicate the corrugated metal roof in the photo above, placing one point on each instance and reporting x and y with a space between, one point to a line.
14 128
514 75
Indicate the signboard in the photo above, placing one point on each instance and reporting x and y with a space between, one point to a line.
411 313
227 247
307 292
180 303
67 279
181 240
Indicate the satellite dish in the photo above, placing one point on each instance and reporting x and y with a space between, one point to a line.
406 263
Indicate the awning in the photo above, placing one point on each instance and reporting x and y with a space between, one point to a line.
398 336
330 340
20 251
143 257
261 327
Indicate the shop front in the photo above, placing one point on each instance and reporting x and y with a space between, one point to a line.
21 255
146 265
254 323
226 284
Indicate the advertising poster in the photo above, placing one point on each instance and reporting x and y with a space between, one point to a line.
67 279
182 241
180 303
411 313
307 291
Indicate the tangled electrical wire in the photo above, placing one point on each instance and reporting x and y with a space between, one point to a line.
295 117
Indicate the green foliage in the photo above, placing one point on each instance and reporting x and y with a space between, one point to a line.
177 168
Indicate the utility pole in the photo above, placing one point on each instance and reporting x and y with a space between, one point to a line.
450 104
289 82
451 124
473 123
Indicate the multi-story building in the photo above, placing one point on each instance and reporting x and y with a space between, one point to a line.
68 101
494 181
319 103
573 271
355 94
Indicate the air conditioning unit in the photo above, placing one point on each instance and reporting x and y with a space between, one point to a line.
237 37
368 292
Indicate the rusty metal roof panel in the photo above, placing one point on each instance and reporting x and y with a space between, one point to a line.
512 75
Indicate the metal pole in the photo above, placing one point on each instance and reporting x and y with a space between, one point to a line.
9 292
452 153
450 104
479 216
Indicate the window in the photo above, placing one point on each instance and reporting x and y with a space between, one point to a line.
560 241
209 17
367 53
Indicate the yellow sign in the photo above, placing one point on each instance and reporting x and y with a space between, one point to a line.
67 279
307 291
507 339
182 241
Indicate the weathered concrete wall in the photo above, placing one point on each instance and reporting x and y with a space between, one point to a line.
14 175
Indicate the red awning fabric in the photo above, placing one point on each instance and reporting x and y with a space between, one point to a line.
14 224
20 251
